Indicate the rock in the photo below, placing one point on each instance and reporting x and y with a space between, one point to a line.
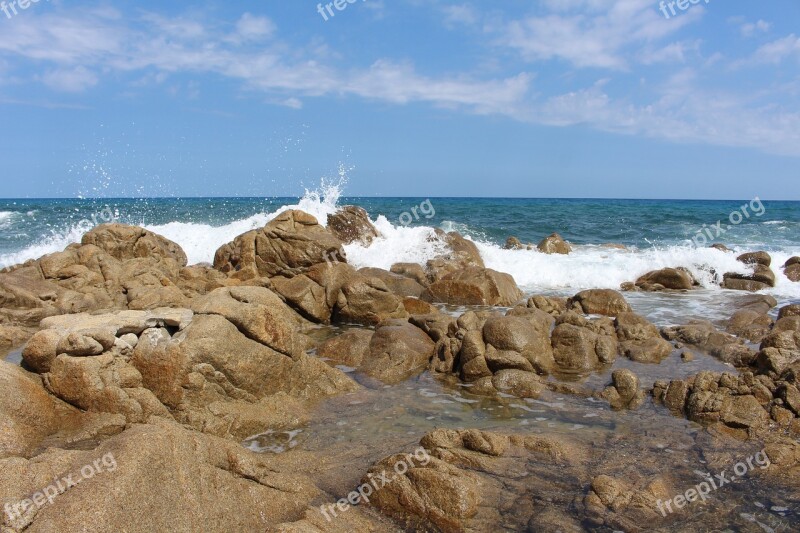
552 305
750 325
292 240
743 412
415 306
721 248
13 336
431 491
124 242
554 244
348 349
792 269
411 271
640 340
256 312
624 392
526 336
755 258
599 302
578 349
462 254
704 336
367 301
789 310
513 243
400 285
474 286
737 282
687 357
398 350
205 483
667 278
519 383
352 224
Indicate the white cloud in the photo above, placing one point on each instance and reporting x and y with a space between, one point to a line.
70 80
749 29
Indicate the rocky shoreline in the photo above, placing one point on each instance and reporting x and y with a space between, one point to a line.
129 352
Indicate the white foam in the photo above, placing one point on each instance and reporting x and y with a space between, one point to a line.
5 218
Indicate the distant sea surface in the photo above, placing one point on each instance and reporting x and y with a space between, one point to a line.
656 233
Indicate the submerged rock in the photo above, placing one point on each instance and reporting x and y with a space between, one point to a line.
554 244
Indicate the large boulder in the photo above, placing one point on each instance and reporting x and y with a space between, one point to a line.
349 349
459 253
755 258
762 277
367 301
524 338
474 286
791 269
554 244
397 351
125 242
352 224
667 278
400 285
156 477
640 340
581 345
599 302
292 240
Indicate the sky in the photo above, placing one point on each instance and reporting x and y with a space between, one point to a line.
555 98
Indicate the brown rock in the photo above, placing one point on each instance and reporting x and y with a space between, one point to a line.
474 286
411 271
348 349
599 302
352 224
624 392
292 240
554 244
397 351
789 310
400 285
513 243
667 278
130 242
367 301
578 349
755 258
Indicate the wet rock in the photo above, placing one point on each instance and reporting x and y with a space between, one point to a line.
755 258
554 244
430 492
415 306
789 310
292 240
640 340
258 313
513 243
528 337
743 412
13 336
705 337
519 383
348 349
667 278
461 254
721 248
352 224
367 301
687 357
624 391
400 285
599 302
579 349
474 286
750 325
792 269
124 242
397 351
411 271
552 305
206 483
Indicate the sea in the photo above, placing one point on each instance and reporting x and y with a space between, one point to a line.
653 233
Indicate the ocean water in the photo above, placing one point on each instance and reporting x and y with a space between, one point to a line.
656 233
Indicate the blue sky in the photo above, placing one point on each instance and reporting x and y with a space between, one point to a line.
557 98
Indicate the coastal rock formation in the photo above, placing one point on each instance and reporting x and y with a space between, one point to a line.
624 391
705 337
457 254
761 278
400 285
640 340
554 244
792 269
474 286
291 241
581 345
667 279
513 243
351 224
397 351
599 302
